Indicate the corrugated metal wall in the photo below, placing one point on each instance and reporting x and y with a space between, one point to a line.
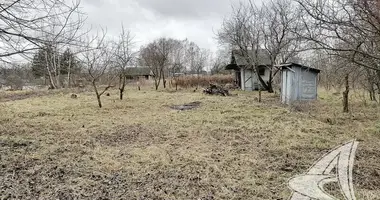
298 84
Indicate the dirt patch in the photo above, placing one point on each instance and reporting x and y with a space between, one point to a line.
124 135
13 96
188 106
20 95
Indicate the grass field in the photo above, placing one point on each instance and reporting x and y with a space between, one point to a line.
56 147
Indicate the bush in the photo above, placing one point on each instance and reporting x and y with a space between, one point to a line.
15 82
201 81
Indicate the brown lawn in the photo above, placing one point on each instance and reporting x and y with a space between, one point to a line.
55 147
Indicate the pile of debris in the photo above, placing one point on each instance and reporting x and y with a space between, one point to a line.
216 90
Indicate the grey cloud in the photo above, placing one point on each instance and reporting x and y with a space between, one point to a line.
149 19
189 9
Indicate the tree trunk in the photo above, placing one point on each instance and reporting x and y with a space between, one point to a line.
99 101
163 78
345 95
157 80
270 85
260 95
164 81
58 69
262 82
122 85
372 90
52 84
97 94
68 73
378 83
121 93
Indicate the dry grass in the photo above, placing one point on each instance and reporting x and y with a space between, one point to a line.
25 94
55 147
202 81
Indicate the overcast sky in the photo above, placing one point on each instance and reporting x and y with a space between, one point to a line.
197 20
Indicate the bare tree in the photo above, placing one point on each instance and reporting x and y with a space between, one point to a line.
349 31
200 62
156 56
178 58
255 32
97 60
345 94
198 59
51 25
279 25
125 55
243 32
29 25
219 61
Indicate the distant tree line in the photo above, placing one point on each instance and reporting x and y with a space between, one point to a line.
58 69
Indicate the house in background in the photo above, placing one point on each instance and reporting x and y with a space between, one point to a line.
298 82
138 73
245 75
195 73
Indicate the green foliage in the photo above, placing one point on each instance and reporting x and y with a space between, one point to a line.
45 57
69 63
39 64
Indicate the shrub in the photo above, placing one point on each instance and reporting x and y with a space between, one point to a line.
201 81
15 82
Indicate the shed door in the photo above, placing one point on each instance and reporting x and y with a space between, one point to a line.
308 85
287 90
248 80
283 85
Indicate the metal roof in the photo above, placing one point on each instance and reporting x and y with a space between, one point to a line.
238 60
290 65
263 57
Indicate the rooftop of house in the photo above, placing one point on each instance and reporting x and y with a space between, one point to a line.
139 71
238 60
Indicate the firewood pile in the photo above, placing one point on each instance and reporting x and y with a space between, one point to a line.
216 90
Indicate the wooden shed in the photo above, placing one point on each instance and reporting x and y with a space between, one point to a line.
135 73
245 75
298 82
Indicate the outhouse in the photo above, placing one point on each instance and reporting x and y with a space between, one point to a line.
298 83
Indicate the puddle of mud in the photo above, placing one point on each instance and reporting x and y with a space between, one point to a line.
187 106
